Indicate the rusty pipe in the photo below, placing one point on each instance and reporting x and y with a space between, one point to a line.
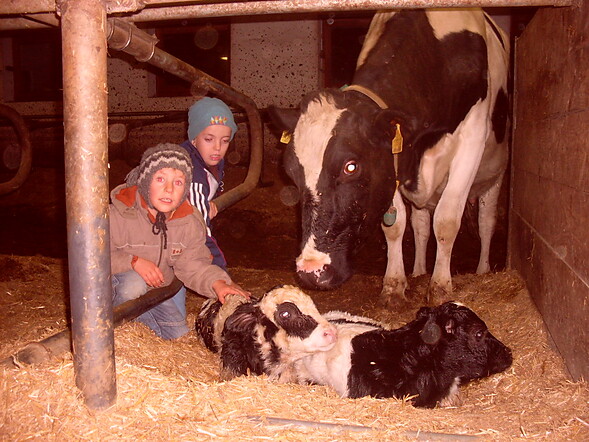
84 54
130 39
59 343
24 141
159 11
43 15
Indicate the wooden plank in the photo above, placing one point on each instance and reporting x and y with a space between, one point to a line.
549 217
560 295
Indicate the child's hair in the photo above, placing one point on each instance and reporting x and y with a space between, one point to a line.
156 158
206 112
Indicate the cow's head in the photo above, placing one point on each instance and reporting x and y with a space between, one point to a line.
340 159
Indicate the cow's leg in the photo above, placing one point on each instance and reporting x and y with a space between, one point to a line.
395 281
421 223
470 137
487 221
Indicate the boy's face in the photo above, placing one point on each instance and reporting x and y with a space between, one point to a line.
166 189
212 143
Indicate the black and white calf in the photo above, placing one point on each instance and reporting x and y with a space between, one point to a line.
438 79
264 336
426 360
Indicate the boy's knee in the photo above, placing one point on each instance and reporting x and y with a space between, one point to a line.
127 286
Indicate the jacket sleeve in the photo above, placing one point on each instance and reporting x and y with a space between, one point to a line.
194 267
120 260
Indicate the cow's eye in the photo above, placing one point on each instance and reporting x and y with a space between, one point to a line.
479 335
351 167
285 314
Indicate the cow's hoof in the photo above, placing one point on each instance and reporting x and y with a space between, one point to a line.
438 294
392 296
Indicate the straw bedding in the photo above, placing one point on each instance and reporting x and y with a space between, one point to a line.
170 390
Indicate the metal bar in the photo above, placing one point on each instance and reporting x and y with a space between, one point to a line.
161 10
273 6
31 21
418 435
128 38
267 7
59 343
84 53
26 6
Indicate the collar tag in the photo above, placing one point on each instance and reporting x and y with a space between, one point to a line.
286 137
398 140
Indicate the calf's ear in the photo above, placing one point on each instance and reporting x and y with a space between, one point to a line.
423 312
450 326
431 332
241 320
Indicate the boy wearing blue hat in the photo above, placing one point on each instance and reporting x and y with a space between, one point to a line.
211 127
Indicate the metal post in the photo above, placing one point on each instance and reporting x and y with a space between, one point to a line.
83 24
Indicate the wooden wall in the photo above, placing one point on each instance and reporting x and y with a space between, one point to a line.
549 216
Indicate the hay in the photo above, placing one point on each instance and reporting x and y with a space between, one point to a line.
170 390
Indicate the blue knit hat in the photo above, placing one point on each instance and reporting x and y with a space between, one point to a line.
206 112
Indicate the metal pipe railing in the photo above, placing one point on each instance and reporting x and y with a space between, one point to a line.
43 14
84 54
267 7
128 38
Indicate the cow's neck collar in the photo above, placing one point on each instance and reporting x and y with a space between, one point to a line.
369 93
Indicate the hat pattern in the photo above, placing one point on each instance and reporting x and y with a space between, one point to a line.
207 112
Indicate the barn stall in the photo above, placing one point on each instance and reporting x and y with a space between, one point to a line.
554 406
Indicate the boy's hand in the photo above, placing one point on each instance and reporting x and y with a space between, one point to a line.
150 273
223 289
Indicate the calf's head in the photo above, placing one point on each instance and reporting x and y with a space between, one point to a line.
266 335
469 349
300 328
340 159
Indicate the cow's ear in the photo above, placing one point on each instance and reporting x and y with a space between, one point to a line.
284 119
391 122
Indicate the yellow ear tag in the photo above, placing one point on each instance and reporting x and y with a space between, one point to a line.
398 140
286 136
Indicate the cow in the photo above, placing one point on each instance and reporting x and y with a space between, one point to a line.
430 85
264 336
424 361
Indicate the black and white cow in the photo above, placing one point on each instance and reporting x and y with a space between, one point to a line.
438 78
426 360
264 336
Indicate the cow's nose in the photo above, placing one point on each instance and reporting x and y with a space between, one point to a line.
318 280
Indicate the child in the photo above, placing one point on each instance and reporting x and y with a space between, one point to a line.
156 234
211 128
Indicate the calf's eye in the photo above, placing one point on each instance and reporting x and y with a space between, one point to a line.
350 168
285 315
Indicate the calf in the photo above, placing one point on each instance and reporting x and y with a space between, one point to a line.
426 360
264 336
